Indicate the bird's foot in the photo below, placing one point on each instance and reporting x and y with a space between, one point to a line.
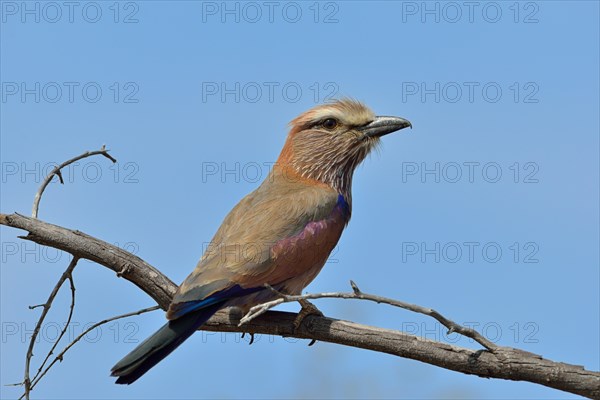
308 308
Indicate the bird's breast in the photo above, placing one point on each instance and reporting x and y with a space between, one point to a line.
304 254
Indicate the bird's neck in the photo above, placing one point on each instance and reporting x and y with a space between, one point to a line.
320 162
340 182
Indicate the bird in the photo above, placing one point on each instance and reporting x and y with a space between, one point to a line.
280 235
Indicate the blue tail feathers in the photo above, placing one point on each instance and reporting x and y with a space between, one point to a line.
188 316
152 350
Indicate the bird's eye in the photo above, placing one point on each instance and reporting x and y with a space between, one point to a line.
330 123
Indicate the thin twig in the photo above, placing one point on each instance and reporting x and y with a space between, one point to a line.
63 331
56 171
357 294
60 355
47 305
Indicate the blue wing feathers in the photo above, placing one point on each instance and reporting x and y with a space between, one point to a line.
177 310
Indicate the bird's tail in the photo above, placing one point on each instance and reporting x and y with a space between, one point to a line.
152 350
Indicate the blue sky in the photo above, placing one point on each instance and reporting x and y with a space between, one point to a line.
487 210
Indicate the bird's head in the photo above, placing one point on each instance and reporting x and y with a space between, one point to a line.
328 142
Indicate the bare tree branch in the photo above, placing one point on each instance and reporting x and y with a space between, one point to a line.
123 263
56 171
499 362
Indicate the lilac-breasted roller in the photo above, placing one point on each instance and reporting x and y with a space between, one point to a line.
281 234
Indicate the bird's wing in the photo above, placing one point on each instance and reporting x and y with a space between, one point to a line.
274 234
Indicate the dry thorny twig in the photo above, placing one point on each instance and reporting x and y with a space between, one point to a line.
357 294
56 171
40 374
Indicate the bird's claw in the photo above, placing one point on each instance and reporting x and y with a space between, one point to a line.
307 309
251 337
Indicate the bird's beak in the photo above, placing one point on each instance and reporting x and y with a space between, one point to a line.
383 125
